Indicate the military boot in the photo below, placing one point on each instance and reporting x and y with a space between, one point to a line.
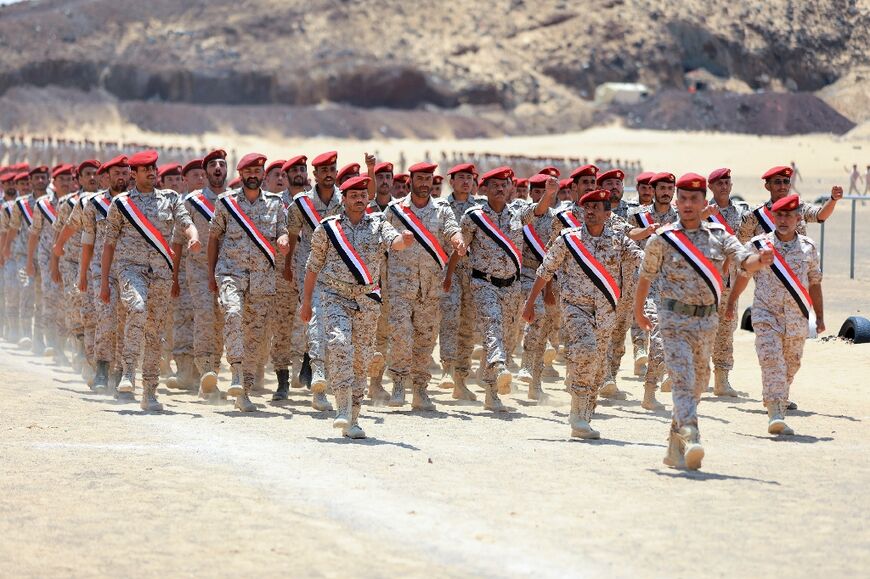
582 407
377 394
236 389
319 401
283 391
503 378
550 355
89 373
243 401
610 390
343 404
208 389
260 378
376 366
640 361
525 373
295 367
649 398
776 411
461 391
420 399
491 400
478 353
693 452
447 379
25 343
127 383
101 378
149 401
722 387
674 457
666 383
305 371
397 399
165 368
354 431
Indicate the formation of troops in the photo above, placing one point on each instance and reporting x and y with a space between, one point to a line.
118 267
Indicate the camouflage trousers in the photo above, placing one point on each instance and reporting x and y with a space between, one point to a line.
350 337
72 297
413 329
182 321
655 367
145 298
497 314
88 313
382 332
587 339
554 321
456 334
246 311
110 321
779 356
621 324
12 294
208 319
51 314
284 348
688 343
535 334
639 338
29 295
723 347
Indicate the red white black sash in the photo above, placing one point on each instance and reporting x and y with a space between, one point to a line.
534 243
699 262
201 203
47 209
720 219
248 227
785 274
349 255
370 209
765 218
7 205
423 236
486 225
597 273
306 207
146 229
72 199
644 219
26 211
568 218
101 203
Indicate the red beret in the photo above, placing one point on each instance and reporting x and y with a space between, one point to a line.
611 174
328 158
584 171
597 195
39 169
7 177
143 159
235 183
401 178
643 178
169 169
251 160
385 167
216 154
719 174
692 182
192 166
498 173
21 176
85 164
665 176
462 168
437 179
566 183
275 165
21 167
358 182
422 168
551 171
787 203
119 161
781 170
62 169
539 180
297 160
522 182
347 170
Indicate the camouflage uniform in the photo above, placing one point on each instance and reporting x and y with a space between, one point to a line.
624 208
284 351
183 306
349 314
779 325
245 278
687 339
11 291
49 318
750 227
208 319
616 349
456 336
144 278
535 334
87 312
415 293
723 348
68 265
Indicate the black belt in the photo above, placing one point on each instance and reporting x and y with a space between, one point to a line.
688 309
496 281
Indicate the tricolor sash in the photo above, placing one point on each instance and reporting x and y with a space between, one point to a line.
644 219
423 236
306 207
47 209
201 203
785 274
370 209
568 219
71 200
146 229
248 227
699 262
26 211
597 273
7 206
486 225
534 243
765 218
720 219
101 203
349 255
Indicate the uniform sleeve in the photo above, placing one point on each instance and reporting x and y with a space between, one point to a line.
469 228
62 217
814 271
114 223
653 256
631 257
38 221
294 220
527 212
75 218
179 212
747 227
218 224
810 212
15 218
734 249
556 229
388 234
451 227
319 248
553 260
89 227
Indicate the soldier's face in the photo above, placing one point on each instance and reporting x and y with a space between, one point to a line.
252 177
297 175
615 187
216 171
63 184
585 184
664 192
721 187
564 194
39 182
786 222
88 179
537 192
778 186
146 177
462 183
496 190
325 176
174 182
398 190
195 179
356 200
105 180
644 193
23 186
436 190
275 181
384 182
421 184
522 192
118 178
596 213
690 204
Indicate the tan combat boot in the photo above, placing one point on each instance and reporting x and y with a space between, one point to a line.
343 403
722 387
503 378
461 391
478 352
776 410
582 406
354 431
447 380
640 360
609 390
693 452
378 395
376 366
397 399
491 401
296 366
149 401
649 398
236 389
319 401
127 382
549 355
243 402
260 378
666 383
420 399
674 457
525 373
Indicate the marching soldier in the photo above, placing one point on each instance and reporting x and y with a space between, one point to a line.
344 260
241 261
42 292
689 255
639 338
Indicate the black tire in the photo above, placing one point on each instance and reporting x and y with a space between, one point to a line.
746 320
856 329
